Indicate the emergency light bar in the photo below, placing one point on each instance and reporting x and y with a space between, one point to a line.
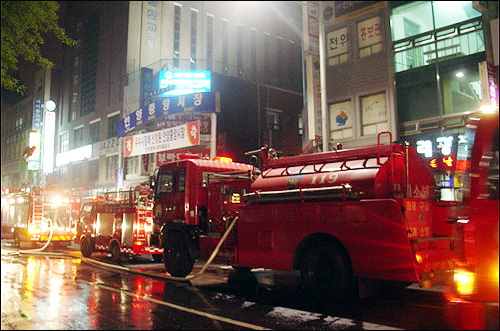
223 159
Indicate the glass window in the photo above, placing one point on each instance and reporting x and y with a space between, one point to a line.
452 12
181 185
112 123
341 120
64 142
210 41
225 45
369 37
89 66
419 13
95 129
177 35
93 171
253 53
273 120
78 137
133 165
194 38
493 170
338 46
239 50
165 182
374 114
453 37
111 165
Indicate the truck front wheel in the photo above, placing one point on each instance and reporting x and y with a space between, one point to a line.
178 261
326 273
85 247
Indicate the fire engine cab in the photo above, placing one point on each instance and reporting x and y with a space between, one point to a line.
194 201
120 223
338 216
29 216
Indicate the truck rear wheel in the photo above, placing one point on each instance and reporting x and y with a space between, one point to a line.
326 273
178 261
85 248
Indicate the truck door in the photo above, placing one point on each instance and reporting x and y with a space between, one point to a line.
170 190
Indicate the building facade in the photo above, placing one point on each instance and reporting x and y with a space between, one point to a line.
252 51
414 68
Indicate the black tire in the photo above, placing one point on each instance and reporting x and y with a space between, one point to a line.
178 261
326 273
157 257
114 249
85 248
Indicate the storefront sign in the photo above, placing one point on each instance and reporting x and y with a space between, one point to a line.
197 102
169 156
172 138
185 81
105 147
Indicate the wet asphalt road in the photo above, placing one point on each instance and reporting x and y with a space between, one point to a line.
61 291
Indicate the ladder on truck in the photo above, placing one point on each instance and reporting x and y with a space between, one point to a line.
37 202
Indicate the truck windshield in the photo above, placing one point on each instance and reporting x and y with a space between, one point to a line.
493 170
464 154
58 215
165 183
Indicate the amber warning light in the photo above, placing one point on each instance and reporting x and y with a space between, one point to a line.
223 159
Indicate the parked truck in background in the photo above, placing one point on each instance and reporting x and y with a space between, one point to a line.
28 216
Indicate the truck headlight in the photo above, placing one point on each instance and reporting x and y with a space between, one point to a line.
464 281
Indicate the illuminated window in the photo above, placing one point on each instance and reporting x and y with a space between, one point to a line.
64 142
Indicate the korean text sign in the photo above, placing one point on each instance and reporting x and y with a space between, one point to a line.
180 136
197 102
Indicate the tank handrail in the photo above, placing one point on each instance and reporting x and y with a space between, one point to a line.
344 167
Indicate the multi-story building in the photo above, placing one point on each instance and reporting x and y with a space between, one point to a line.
414 68
253 52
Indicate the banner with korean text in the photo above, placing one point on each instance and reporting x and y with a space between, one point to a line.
188 103
180 136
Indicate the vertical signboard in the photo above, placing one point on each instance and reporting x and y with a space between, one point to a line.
49 131
36 124
311 32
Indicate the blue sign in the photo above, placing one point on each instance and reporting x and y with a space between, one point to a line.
185 81
197 102
37 114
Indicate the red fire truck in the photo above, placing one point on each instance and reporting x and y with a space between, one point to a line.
472 297
193 206
29 215
336 216
120 223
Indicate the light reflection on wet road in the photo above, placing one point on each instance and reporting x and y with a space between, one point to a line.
58 292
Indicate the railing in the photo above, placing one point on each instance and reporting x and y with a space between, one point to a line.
451 121
452 41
